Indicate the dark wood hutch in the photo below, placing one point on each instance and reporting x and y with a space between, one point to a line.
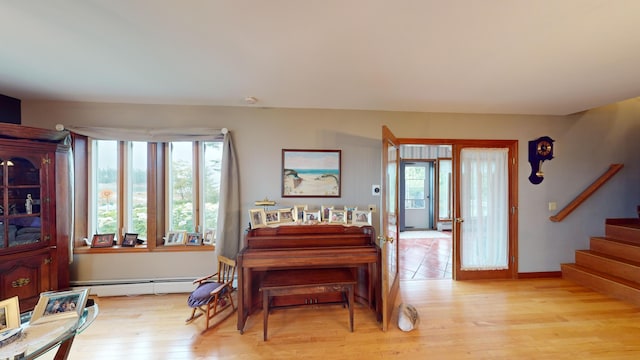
35 212
288 247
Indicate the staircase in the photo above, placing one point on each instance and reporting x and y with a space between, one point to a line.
612 264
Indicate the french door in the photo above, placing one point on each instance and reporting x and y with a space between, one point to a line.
388 240
485 210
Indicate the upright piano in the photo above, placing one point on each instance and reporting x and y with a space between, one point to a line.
308 247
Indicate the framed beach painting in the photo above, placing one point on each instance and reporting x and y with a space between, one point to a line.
311 173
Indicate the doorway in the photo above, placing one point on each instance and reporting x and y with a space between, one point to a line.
416 200
434 252
426 246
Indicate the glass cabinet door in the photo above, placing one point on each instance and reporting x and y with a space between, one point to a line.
20 210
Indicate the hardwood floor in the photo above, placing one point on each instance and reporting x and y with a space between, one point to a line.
514 319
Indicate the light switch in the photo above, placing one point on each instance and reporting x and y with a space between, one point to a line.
553 205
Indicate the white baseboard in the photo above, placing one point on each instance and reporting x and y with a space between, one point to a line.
444 225
137 288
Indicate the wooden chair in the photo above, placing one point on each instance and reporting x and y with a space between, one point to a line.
213 294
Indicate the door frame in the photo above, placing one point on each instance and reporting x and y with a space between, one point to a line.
512 273
431 187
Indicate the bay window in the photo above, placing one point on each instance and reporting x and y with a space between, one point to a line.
151 188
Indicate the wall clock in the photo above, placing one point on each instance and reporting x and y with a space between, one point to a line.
540 149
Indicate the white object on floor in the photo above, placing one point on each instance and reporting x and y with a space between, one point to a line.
408 318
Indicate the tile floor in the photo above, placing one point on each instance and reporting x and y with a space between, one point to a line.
425 255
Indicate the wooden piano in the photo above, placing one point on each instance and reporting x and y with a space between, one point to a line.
308 247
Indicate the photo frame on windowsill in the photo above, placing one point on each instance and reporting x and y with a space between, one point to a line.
58 305
175 238
193 239
102 240
129 240
209 237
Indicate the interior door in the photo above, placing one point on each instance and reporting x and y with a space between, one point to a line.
485 210
388 240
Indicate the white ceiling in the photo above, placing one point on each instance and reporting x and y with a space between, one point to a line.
470 56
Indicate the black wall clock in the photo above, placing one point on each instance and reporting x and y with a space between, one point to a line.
540 149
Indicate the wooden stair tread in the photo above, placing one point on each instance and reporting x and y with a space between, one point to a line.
611 278
610 257
618 241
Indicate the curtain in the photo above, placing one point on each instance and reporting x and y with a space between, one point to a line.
229 230
484 206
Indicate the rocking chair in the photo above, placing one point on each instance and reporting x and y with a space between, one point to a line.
213 294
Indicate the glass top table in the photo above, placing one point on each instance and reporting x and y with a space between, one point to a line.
38 339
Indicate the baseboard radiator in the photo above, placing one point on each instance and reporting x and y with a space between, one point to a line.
137 286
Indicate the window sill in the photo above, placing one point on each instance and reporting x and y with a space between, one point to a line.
141 249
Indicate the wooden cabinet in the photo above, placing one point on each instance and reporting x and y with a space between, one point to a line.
34 241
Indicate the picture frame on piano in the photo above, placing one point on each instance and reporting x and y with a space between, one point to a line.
312 217
272 217
361 217
286 215
337 216
257 218
325 213
298 212
349 209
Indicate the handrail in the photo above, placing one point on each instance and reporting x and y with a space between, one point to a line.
613 169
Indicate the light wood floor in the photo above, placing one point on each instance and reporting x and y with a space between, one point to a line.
521 319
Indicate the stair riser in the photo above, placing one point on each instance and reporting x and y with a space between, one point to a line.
623 233
620 269
616 249
602 285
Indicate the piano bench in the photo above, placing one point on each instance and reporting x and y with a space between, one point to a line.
307 281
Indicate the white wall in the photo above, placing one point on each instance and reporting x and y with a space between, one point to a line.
586 144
